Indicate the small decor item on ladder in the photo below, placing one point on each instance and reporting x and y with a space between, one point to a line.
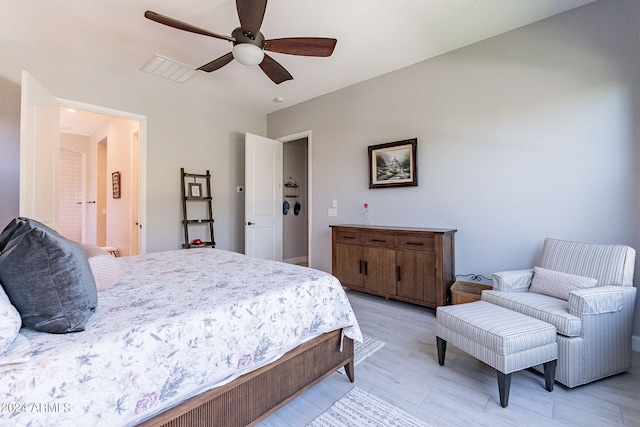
195 190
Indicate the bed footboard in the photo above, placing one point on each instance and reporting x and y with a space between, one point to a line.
255 395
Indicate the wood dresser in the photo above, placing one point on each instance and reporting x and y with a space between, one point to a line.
415 265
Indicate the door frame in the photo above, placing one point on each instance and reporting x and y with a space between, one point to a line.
143 155
288 138
136 227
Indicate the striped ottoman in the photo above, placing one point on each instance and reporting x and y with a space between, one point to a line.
503 339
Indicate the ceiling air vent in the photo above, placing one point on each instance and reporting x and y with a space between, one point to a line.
168 68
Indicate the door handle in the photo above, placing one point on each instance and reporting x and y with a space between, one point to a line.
250 223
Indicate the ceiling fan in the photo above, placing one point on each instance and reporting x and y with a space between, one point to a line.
249 43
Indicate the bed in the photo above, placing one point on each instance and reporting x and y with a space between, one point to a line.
188 337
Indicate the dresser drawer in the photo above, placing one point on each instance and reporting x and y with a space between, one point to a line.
379 240
422 243
349 237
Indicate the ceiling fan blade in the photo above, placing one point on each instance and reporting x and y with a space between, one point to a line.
174 23
251 13
305 46
274 70
217 63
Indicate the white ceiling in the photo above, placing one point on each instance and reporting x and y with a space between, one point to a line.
374 37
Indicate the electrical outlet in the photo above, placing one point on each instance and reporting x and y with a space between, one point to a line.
334 203
332 212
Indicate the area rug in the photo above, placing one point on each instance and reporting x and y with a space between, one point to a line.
359 408
362 350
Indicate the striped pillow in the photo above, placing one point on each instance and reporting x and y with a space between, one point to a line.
557 284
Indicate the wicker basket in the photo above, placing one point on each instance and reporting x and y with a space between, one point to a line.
463 292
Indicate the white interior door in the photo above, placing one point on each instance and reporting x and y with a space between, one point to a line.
263 197
39 153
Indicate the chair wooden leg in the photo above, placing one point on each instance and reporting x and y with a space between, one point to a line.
504 385
550 374
442 349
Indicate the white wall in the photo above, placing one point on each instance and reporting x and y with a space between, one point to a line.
117 132
184 129
524 136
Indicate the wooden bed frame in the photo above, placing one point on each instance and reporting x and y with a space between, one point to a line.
254 396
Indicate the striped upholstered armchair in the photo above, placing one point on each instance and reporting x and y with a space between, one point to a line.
586 291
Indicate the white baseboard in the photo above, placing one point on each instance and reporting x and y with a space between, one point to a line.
635 343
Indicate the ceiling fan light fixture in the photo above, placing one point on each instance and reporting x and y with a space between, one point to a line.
247 54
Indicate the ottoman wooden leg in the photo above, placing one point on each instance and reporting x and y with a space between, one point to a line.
504 385
550 374
442 348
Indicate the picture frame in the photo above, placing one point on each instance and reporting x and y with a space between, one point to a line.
195 190
115 184
393 164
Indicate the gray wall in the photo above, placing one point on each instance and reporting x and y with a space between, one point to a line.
524 136
9 151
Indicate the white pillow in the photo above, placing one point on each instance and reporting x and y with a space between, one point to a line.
10 322
104 266
557 284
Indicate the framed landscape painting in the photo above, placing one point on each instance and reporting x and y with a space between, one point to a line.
393 164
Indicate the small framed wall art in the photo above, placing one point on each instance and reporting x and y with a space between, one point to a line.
115 184
393 164
195 190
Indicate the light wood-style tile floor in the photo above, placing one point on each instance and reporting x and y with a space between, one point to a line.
464 392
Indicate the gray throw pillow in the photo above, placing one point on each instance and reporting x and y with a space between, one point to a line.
47 277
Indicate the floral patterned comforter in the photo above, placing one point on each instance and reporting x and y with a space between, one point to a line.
176 324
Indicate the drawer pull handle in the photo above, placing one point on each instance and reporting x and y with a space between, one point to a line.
378 240
415 243
399 276
348 237
360 263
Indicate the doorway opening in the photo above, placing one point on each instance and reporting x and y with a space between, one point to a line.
296 227
111 143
